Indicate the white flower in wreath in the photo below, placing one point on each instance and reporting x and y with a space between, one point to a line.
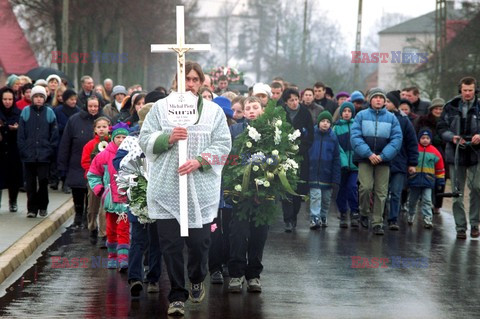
270 161
294 147
258 157
258 181
248 144
238 188
278 136
253 133
102 145
266 184
275 153
292 137
270 175
278 123
292 163
255 168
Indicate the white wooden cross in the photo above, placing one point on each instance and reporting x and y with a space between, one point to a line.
180 48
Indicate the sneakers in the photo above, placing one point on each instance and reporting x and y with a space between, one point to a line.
474 232
324 222
288 227
43 212
364 221
235 284
112 264
354 220
197 292
314 224
343 220
153 287
31 214
427 223
254 285
393 225
216 278
176 308
461 234
13 207
135 288
378 230
410 219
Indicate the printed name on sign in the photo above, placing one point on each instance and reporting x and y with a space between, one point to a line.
182 109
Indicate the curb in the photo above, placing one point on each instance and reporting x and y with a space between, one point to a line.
23 248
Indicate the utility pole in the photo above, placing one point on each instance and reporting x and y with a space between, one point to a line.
304 40
440 40
356 71
65 32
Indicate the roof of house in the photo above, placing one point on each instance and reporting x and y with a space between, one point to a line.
421 24
16 56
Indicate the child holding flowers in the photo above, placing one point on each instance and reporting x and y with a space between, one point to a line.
267 145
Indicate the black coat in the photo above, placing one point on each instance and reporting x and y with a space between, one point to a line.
303 122
37 134
78 131
10 163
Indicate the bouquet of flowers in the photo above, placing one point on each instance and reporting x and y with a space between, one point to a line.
132 181
233 75
268 168
100 146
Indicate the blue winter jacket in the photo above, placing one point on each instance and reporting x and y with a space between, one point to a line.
375 132
324 160
408 155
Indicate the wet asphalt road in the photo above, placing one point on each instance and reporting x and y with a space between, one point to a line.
308 274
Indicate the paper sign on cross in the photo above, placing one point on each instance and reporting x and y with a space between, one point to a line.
180 48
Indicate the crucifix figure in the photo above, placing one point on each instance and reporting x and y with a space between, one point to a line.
180 48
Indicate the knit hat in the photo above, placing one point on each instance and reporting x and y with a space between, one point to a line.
120 129
376 92
425 131
225 104
357 96
142 113
68 94
342 94
38 89
119 89
154 96
12 78
347 105
394 97
329 91
54 76
324 115
262 88
436 103
41 82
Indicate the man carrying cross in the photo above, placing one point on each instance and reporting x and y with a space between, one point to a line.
159 140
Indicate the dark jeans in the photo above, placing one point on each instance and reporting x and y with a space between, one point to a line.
246 238
396 186
291 207
80 199
219 252
348 193
144 236
171 245
12 194
37 194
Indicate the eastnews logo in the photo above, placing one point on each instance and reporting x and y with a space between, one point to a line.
389 262
69 263
392 57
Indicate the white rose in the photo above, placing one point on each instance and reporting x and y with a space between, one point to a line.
248 144
266 184
275 152
270 175
270 161
294 147
255 168
258 181
238 188
278 123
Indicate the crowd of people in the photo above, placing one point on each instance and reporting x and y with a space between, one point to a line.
370 154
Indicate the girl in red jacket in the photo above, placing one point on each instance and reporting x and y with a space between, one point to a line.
101 177
94 209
